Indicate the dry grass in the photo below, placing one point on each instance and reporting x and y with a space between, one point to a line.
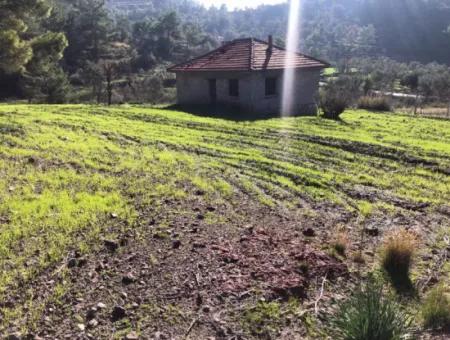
428 111
340 242
397 253
374 103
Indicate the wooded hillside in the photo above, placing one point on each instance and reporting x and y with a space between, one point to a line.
91 50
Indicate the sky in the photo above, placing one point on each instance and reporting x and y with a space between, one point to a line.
231 4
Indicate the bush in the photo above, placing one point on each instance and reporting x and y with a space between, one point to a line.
374 103
333 103
436 309
397 253
371 315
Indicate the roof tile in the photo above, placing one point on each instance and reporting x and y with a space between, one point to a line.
248 55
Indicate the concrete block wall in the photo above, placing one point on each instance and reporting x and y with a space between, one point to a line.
193 89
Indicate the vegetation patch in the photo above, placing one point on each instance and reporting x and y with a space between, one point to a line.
374 103
371 314
131 206
263 319
436 308
397 256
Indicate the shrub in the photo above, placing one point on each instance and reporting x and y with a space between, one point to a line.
336 97
436 309
374 103
371 315
397 253
333 103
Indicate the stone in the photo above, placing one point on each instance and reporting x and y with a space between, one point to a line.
199 193
91 313
309 232
81 327
72 263
176 244
111 245
132 336
118 313
372 231
101 305
82 262
128 279
93 323
198 245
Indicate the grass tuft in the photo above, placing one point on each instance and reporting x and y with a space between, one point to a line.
340 242
397 254
371 315
436 309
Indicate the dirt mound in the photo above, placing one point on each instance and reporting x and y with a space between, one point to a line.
280 264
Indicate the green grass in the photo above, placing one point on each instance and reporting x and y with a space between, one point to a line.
436 308
370 314
70 174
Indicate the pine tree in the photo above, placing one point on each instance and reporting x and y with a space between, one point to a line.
15 18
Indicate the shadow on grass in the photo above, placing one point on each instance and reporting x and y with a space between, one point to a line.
227 112
402 283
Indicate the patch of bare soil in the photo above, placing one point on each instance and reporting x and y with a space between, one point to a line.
276 262
190 271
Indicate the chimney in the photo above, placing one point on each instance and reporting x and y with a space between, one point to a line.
270 43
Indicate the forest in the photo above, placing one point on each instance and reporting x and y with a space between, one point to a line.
58 51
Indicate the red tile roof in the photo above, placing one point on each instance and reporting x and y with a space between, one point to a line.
248 55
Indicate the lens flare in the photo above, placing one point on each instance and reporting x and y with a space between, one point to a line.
292 44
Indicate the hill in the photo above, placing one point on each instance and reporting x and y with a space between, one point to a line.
410 30
130 219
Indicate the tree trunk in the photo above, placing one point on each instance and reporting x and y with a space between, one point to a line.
109 87
416 104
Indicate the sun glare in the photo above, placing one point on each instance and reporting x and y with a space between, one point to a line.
292 42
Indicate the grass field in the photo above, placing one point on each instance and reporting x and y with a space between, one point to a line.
170 190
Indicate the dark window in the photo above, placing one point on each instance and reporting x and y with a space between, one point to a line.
233 89
271 86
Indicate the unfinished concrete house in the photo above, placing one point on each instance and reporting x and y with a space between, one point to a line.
248 74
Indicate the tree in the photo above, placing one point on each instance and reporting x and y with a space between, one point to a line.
15 18
49 84
30 51
114 64
411 81
89 30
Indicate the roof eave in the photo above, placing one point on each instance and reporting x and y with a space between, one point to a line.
175 70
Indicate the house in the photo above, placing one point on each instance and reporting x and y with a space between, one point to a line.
248 73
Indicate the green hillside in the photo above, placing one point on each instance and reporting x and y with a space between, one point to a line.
147 209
